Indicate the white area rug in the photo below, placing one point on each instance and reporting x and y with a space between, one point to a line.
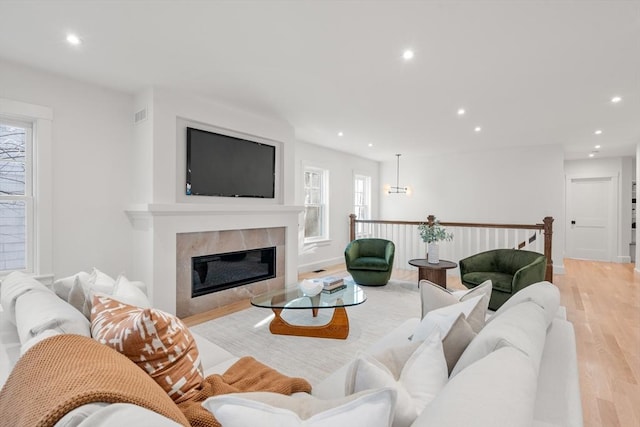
246 333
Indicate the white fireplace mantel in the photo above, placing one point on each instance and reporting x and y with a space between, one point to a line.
157 226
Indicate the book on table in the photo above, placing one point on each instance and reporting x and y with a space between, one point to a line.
330 283
334 289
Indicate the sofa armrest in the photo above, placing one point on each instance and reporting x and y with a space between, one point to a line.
351 252
529 274
389 253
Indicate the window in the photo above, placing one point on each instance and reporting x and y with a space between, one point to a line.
16 195
315 204
362 202
26 227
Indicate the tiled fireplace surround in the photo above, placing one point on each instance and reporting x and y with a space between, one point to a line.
165 232
213 242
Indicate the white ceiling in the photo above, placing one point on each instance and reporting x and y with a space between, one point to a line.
527 72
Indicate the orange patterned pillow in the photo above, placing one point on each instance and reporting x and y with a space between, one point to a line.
156 341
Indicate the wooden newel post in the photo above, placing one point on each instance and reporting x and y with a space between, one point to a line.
352 227
431 219
548 233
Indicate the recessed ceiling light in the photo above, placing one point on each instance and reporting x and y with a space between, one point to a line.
461 111
598 132
407 54
591 155
616 99
370 144
477 129
73 40
596 147
340 134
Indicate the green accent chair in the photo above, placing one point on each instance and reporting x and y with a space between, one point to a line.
370 261
508 269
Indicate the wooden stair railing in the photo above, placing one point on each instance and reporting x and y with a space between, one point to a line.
546 228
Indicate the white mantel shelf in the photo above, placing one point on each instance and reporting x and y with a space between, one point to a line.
180 209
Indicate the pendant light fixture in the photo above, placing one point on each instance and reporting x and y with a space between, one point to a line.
397 189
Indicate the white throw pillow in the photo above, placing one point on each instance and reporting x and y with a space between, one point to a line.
125 291
456 341
371 408
63 286
497 391
474 310
422 377
522 326
433 296
81 293
545 294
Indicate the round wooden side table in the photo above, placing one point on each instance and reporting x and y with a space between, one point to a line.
436 273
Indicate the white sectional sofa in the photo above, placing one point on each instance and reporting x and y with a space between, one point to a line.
519 370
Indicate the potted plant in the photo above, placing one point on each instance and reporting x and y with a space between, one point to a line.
432 233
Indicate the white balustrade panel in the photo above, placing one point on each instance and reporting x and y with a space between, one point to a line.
466 241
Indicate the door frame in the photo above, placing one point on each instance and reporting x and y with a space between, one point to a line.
614 211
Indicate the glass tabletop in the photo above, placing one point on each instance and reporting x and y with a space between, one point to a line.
294 298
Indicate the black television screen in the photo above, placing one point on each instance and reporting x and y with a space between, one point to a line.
221 165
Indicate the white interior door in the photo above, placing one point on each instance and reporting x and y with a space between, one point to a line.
591 213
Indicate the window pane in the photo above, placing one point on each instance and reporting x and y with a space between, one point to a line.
307 179
312 226
12 178
315 180
14 235
12 143
315 197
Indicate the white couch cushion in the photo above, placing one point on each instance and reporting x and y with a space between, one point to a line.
497 391
372 408
433 297
40 310
558 396
545 294
416 372
116 414
522 326
12 287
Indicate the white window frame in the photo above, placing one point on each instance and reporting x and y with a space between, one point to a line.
362 230
323 205
29 193
39 183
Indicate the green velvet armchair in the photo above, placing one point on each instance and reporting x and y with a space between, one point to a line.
508 269
370 261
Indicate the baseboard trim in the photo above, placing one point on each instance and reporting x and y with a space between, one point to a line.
624 259
558 269
306 268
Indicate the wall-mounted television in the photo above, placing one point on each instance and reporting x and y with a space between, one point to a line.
225 166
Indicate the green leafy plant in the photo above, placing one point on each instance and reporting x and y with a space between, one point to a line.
434 233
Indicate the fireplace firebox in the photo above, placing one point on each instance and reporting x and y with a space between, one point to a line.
216 272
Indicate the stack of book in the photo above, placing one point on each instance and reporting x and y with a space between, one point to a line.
332 284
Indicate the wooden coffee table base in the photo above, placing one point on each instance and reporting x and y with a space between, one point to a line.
338 326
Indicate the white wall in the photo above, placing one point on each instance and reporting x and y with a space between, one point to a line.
341 167
91 167
513 185
622 169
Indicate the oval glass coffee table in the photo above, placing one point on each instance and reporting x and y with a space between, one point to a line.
293 298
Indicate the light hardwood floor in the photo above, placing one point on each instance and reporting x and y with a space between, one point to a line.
603 303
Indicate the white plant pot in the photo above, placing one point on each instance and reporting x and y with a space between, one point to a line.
433 253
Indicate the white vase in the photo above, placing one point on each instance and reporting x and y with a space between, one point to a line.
433 253
311 287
